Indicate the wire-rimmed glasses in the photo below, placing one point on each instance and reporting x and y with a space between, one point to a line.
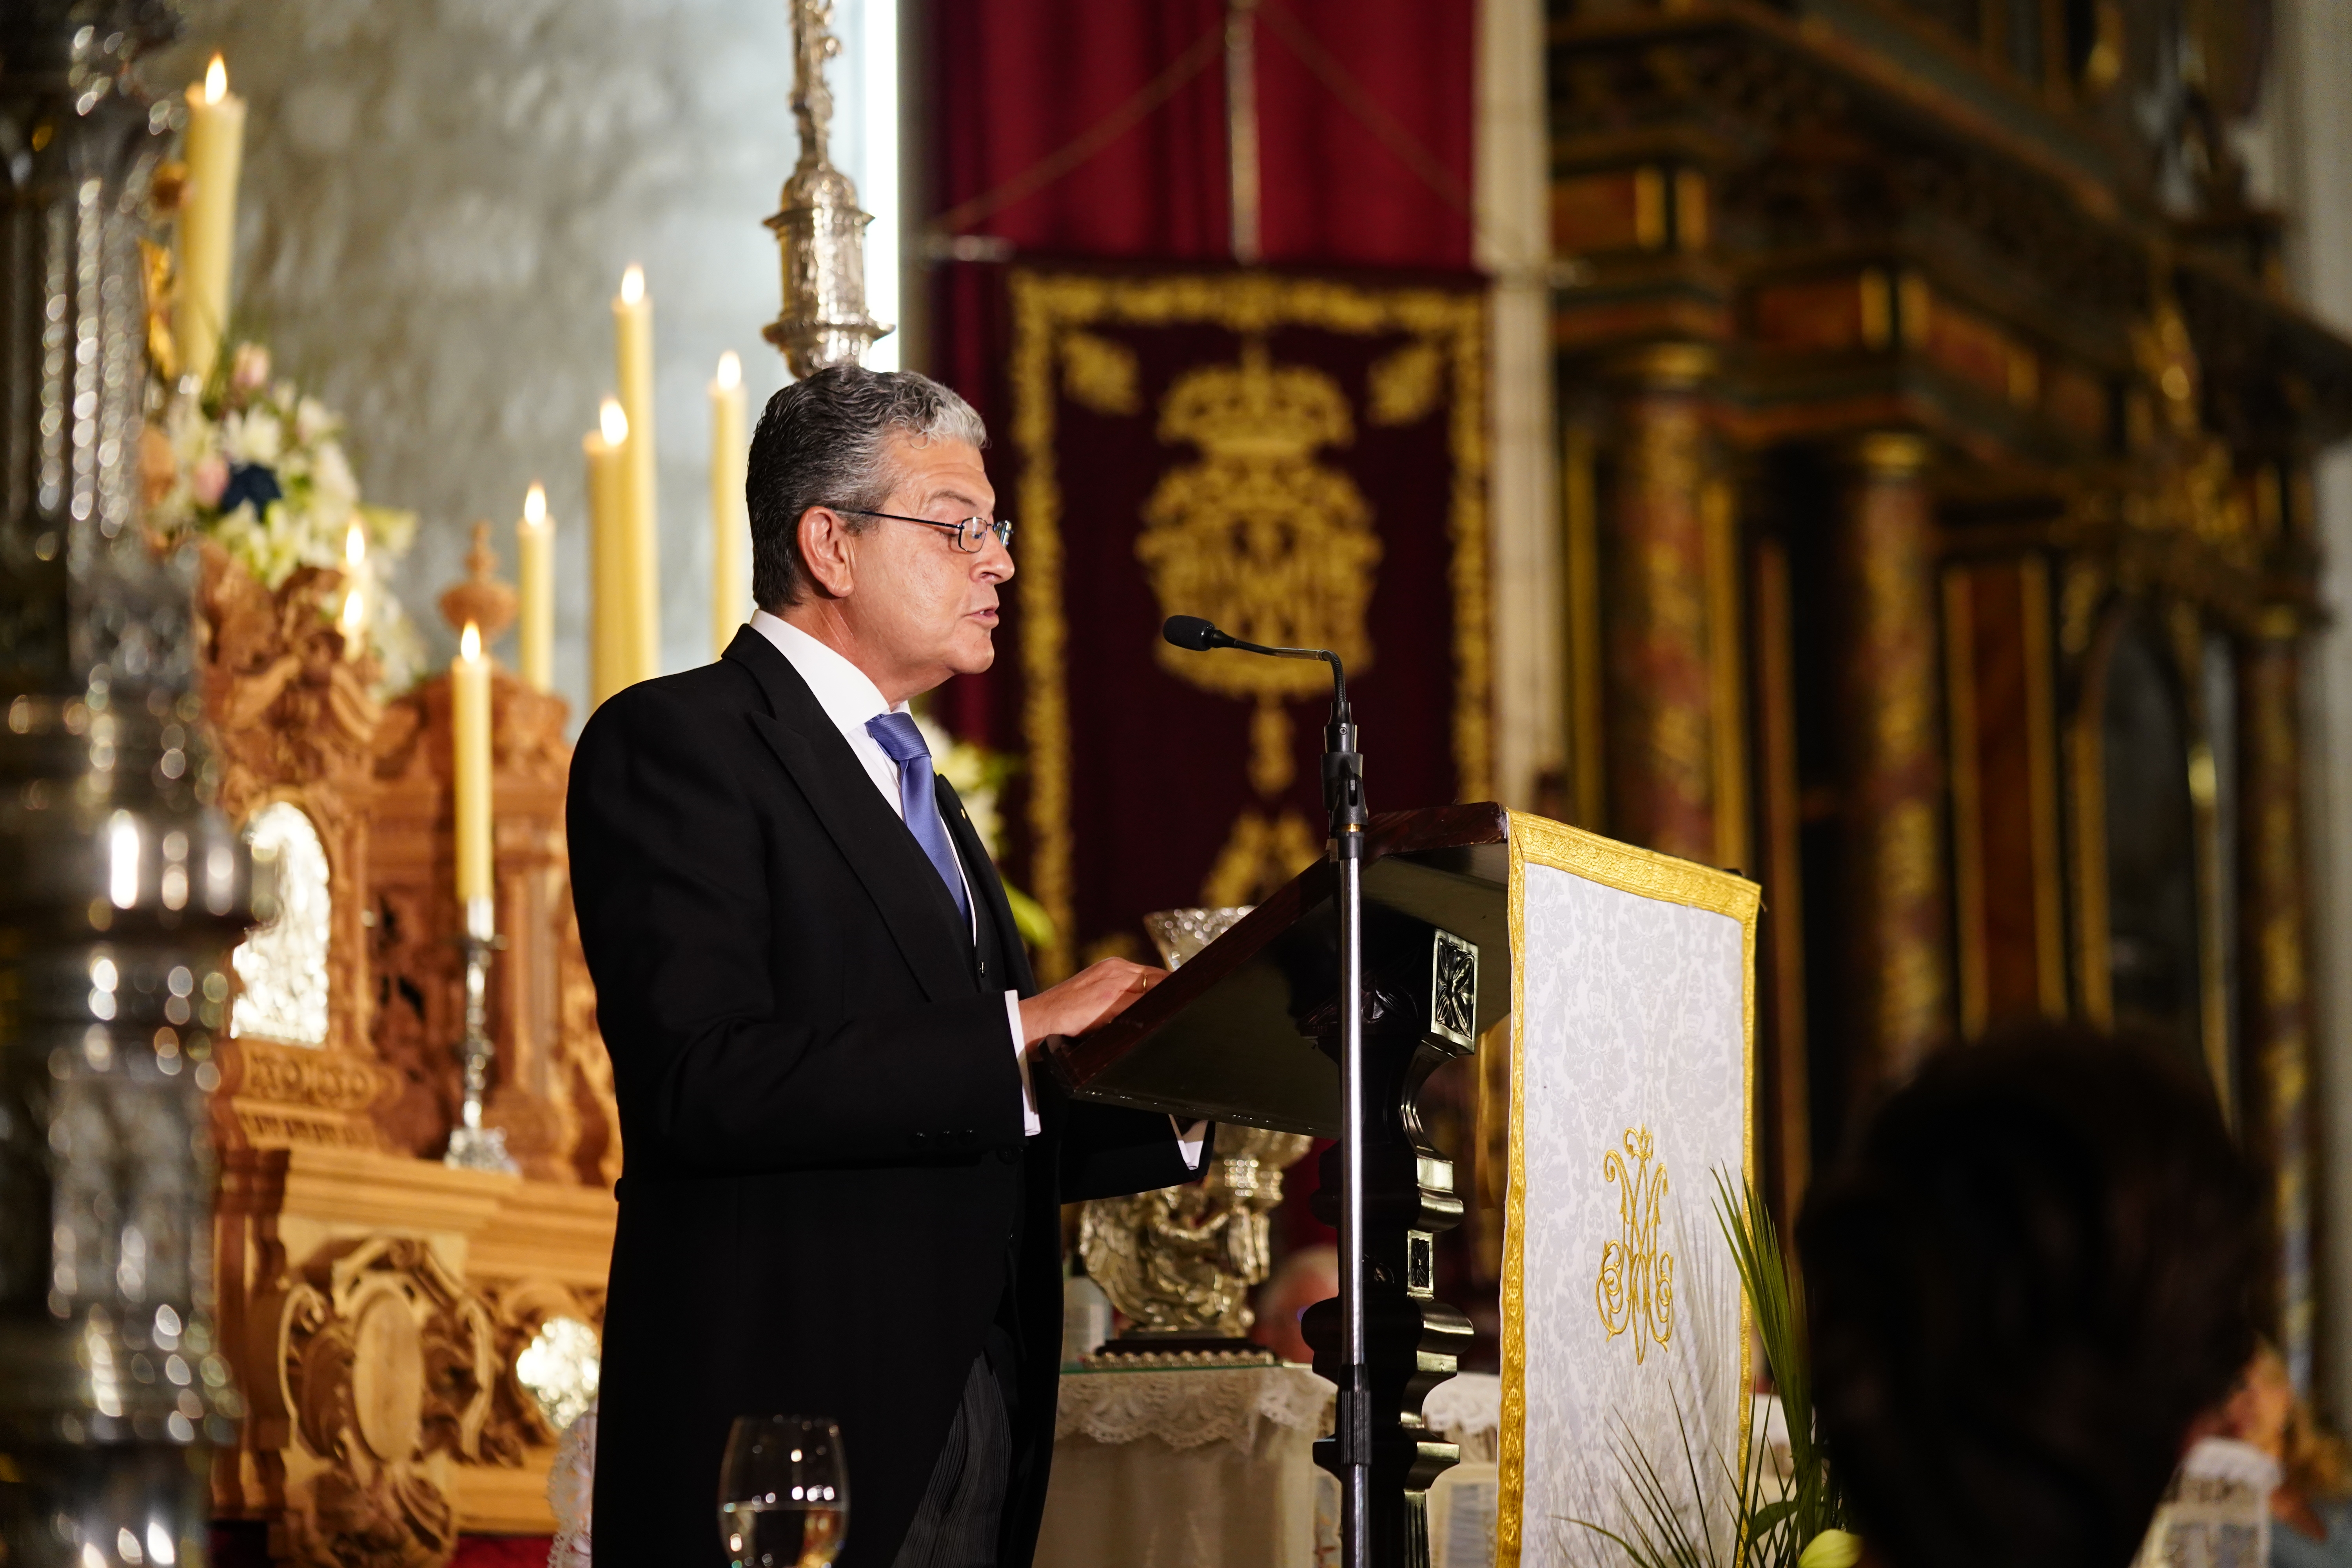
784 1493
969 532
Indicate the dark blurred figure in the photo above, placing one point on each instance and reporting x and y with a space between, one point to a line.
2028 1276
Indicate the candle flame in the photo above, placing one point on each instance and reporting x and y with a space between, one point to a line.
731 370
615 424
354 609
632 284
534 504
215 80
470 643
355 545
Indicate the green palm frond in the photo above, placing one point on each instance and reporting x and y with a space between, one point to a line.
1774 1518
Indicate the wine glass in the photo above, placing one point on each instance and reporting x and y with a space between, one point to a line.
784 1492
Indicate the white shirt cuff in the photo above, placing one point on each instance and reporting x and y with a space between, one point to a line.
1189 1141
1030 1125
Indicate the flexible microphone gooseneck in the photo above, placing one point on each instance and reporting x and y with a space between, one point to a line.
1343 795
1343 765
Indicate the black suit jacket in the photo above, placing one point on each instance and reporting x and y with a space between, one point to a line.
827 1182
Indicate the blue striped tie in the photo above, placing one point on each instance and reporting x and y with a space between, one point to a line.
902 743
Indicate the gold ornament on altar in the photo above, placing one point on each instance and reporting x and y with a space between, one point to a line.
1180 1262
1635 1288
1274 546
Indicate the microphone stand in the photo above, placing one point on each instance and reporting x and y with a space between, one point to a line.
1343 794
1343 797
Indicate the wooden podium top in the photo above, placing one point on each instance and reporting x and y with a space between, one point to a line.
1219 1038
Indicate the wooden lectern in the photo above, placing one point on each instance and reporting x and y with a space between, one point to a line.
1628 979
1248 1031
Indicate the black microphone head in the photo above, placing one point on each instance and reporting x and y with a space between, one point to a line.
1192 632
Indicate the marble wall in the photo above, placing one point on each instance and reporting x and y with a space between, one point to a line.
439 198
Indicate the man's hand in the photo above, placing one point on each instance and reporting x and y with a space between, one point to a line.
1086 1000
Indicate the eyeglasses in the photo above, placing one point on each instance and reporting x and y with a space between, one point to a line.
967 532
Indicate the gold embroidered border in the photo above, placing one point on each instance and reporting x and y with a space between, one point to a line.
1047 304
1647 875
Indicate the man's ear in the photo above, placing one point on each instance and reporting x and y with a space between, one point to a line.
828 553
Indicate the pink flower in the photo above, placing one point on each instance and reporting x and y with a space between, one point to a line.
209 477
249 371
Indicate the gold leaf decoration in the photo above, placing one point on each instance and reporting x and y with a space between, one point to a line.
1260 855
1258 536
1404 386
1101 374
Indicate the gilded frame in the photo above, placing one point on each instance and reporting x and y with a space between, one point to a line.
1047 306
1648 875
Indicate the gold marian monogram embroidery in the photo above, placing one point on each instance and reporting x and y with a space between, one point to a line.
1635 1289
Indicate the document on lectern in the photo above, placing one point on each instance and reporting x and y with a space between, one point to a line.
1624 1330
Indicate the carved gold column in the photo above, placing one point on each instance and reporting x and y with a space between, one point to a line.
2277 1121
1654 575
1890 758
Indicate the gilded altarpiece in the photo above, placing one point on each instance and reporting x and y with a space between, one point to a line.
1300 459
410 1337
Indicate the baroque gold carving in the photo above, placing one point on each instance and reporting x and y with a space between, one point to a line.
1634 1288
385 1365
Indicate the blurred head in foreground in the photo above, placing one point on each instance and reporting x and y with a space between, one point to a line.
2028 1277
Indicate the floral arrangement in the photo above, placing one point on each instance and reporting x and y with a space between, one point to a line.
259 466
979 776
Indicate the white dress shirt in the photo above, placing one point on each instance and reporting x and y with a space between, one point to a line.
849 699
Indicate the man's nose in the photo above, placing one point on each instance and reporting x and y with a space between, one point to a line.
995 561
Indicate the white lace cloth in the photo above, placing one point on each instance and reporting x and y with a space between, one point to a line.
570 1486
1193 1407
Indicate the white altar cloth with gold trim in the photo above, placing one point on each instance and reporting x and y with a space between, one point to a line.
1625 1329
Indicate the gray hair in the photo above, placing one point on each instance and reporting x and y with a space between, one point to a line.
826 442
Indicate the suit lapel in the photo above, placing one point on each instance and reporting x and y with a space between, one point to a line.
980 872
900 879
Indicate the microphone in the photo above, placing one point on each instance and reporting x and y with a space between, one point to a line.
1194 633
1343 765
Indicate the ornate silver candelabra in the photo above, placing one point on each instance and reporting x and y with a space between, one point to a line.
121 886
820 227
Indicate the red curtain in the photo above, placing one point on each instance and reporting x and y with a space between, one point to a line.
1098 129
1364 123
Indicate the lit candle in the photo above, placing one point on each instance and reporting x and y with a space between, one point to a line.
214 152
632 343
470 729
613 601
354 618
731 525
535 548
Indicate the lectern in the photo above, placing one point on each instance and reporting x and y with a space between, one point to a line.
1628 974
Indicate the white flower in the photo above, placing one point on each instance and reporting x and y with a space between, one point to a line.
332 477
254 436
312 423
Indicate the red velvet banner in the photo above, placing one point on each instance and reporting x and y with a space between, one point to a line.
1300 459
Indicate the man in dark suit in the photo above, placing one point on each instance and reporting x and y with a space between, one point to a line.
843 1176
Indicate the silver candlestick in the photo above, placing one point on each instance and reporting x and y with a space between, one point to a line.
820 227
472 1146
